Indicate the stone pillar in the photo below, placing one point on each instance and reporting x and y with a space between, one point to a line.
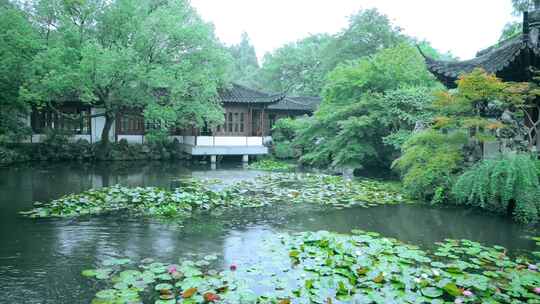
213 159
245 159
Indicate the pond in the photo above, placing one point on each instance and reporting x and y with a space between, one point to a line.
41 260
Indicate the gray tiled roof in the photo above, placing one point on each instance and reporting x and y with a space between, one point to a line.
306 104
240 94
494 60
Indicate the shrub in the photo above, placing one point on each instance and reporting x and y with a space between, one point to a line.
509 184
58 147
428 164
284 136
157 137
284 150
9 156
285 129
272 165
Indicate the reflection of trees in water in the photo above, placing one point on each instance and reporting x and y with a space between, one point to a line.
423 225
44 182
413 224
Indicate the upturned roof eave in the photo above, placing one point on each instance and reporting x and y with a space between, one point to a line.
494 60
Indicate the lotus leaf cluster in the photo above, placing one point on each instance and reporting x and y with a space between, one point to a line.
324 267
161 283
193 195
272 165
150 201
320 189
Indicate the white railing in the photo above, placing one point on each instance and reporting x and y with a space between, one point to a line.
223 141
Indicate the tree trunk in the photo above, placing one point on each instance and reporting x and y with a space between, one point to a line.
103 147
109 119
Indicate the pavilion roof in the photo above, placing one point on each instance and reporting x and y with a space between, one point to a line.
297 103
240 94
495 59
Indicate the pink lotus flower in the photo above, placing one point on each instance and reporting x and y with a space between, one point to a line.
533 267
536 290
468 293
232 267
172 269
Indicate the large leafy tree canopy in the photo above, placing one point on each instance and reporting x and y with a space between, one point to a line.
369 31
301 67
158 56
298 68
369 107
18 44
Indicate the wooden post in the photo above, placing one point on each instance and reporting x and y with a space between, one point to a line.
249 120
262 122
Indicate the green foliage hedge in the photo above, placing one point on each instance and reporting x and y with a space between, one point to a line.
429 161
509 184
58 148
9 156
284 150
284 133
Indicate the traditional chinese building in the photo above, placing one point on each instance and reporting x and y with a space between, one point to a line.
512 60
249 117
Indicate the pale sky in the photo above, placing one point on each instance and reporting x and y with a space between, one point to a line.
460 26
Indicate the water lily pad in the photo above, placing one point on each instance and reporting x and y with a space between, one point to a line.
107 294
89 273
452 289
163 286
432 292
188 293
170 301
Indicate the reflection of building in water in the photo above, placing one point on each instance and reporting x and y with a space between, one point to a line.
228 176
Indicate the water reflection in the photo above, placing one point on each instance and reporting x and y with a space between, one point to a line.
40 261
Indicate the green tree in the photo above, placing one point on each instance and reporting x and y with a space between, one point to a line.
369 107
18 44
298 67
302 67
157 56
429 161
245 67
368 32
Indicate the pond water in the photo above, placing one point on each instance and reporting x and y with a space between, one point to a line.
41 260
